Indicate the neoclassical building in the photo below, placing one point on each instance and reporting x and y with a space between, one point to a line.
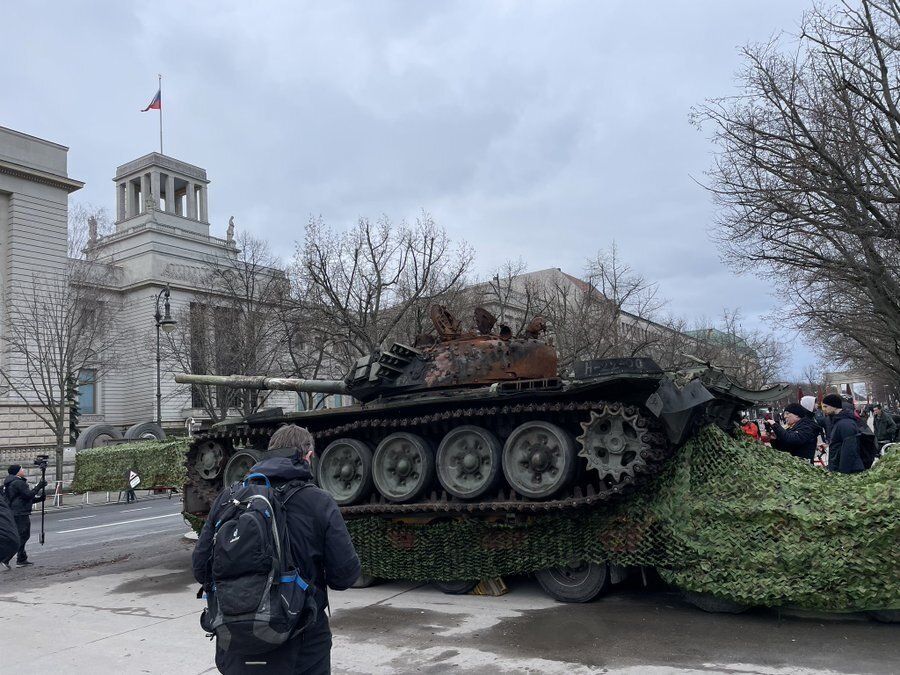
162 239
34 193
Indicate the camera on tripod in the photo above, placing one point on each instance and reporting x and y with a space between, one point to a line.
41 462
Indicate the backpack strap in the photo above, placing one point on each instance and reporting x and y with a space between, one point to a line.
295 487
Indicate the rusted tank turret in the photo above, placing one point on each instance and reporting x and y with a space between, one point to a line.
476 424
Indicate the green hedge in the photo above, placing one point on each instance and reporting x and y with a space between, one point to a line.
158 463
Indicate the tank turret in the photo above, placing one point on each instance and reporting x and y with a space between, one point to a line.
449 360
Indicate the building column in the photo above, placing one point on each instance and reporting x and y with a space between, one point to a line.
120 202
191 201
154 189
170 193
134 195
145 191
204 218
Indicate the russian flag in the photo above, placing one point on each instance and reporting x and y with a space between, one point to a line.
156 103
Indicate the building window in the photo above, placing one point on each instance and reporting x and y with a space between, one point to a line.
87 391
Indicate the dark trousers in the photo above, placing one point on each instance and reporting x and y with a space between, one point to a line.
308 654
23 523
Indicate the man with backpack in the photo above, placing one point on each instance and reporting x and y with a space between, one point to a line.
21 498
843 438
313 552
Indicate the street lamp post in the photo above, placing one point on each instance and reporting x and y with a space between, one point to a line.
167 323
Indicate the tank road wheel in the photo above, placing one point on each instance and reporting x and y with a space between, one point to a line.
576 582
468 462
612 442
146 431
97 436
455 587
210 458
239 465
403 467
345 470
538 459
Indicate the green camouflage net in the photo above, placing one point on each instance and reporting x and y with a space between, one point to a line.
158 463
728 517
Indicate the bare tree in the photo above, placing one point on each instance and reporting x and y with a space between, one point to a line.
611 312
236 325
753 357
57 326
362 286
808 177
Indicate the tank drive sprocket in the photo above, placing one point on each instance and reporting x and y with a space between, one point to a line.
614 442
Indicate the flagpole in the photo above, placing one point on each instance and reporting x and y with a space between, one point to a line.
160 117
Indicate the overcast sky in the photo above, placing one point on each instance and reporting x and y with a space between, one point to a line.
533 130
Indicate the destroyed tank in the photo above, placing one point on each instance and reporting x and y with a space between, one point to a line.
475 425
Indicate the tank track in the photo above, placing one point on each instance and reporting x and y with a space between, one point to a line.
506 501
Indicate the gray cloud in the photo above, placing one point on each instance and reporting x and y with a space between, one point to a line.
540 130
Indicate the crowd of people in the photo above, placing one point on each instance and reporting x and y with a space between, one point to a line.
833 428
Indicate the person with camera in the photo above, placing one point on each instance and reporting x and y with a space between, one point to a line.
798 436
21 498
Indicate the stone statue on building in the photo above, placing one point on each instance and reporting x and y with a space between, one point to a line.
150 204
92 231
230 233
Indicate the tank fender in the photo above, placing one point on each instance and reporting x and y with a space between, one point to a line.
675 405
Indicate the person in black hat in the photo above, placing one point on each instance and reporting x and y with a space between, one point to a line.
21 498
843 440
798 436
885 427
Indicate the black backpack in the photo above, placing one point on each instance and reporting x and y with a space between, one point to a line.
259 590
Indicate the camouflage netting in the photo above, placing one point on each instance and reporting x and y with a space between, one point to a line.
728 517
158 463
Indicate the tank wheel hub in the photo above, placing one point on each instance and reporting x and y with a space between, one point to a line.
403 468
613 441
209 460
540 462
470 463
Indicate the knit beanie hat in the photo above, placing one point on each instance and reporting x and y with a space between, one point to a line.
14 469
796 409
833 400
808 402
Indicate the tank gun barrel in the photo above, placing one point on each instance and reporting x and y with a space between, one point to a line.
262 382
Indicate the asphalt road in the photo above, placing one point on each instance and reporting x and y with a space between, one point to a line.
114 583
99 534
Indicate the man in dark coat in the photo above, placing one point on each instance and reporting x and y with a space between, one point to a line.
800 435
9 535
885 427
314 518
843 441
21 498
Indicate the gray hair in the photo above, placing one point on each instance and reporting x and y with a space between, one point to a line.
292 436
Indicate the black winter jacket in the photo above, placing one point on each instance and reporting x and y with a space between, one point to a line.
312 516
20 496
885 428
9 532
843 444
799 440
